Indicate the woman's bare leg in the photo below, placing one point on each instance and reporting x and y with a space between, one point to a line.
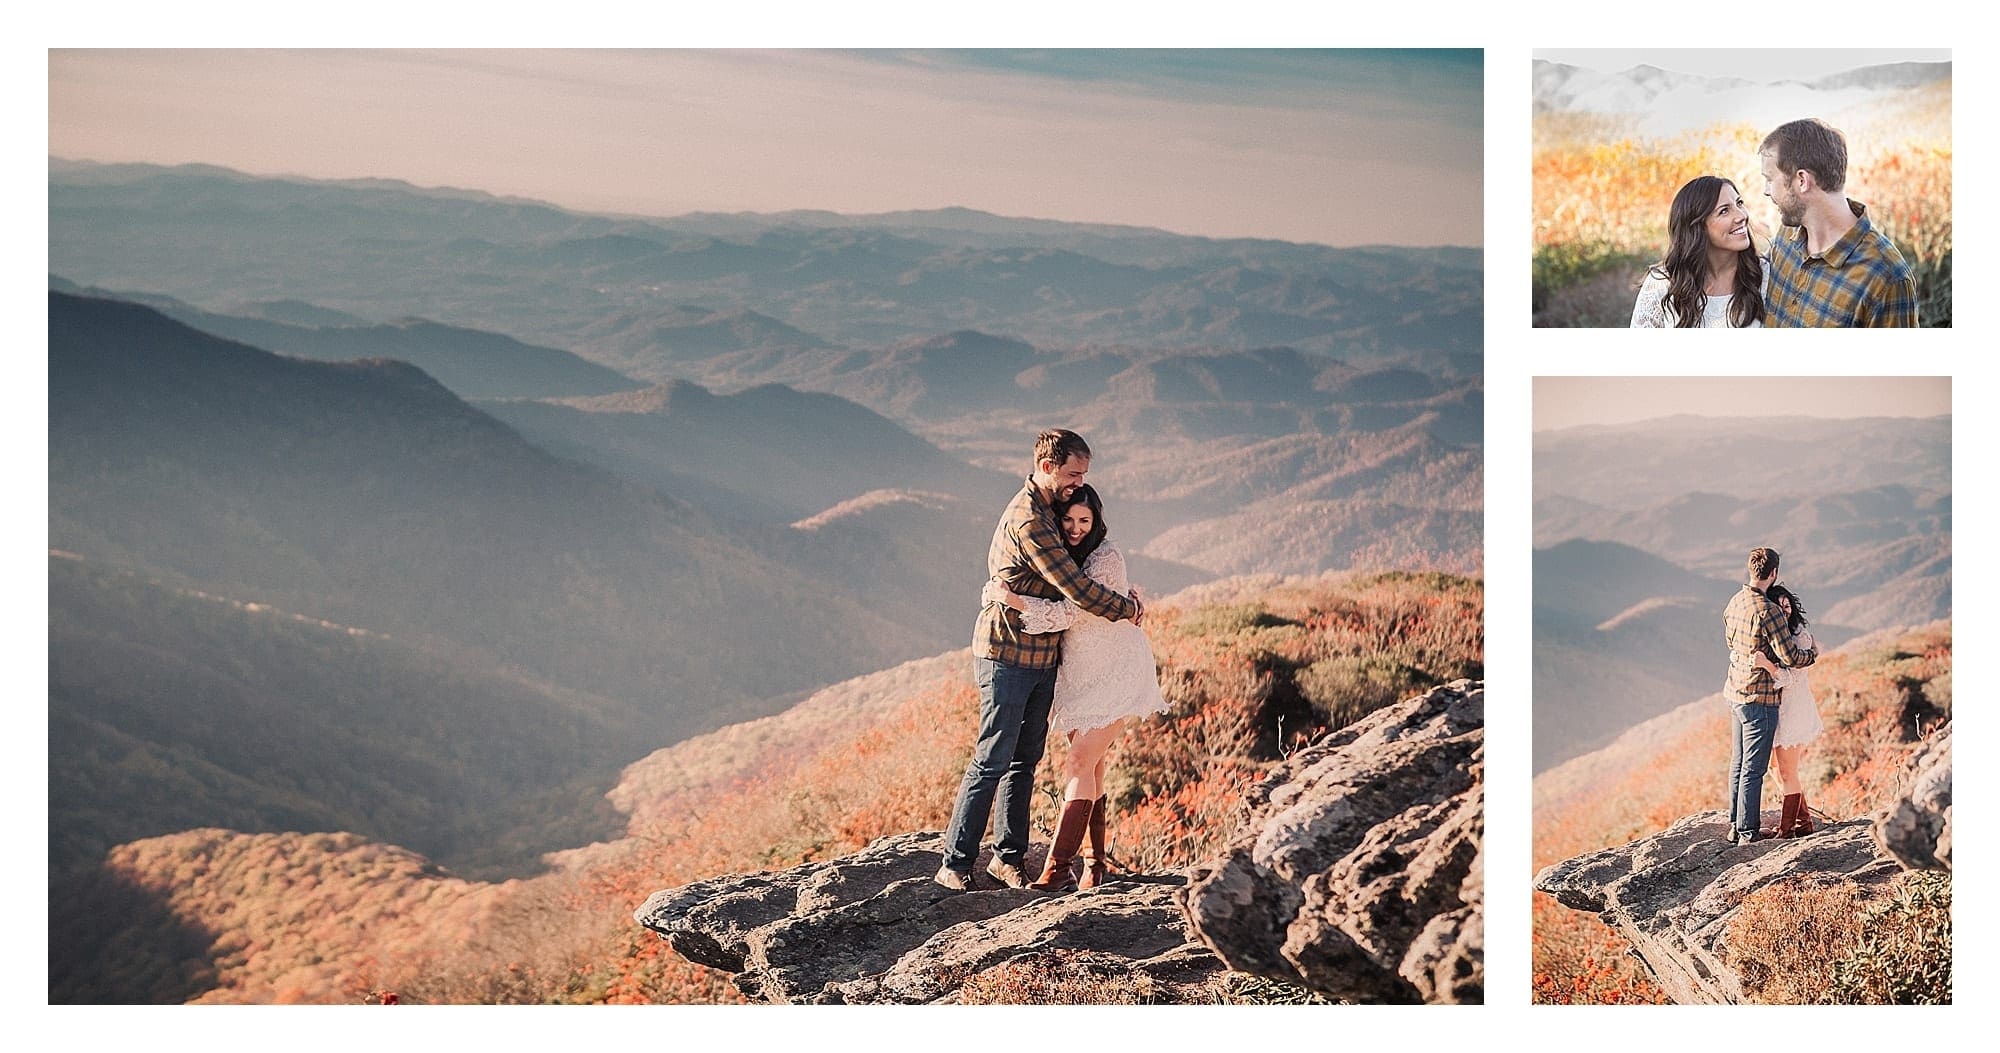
1085 766
1787 758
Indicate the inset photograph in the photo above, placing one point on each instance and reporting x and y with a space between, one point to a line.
1742 690
1741 188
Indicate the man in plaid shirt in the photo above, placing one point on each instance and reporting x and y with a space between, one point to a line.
1753 625
1016 671
1830 267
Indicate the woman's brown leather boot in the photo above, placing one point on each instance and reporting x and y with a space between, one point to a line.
1790 814
1096 863
1070 829
1802 824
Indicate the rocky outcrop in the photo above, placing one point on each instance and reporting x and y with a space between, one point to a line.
873 928
1916 828
1358 872
1673 894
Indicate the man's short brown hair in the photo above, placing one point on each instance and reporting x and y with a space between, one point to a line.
1811 144
1059 445
1763 563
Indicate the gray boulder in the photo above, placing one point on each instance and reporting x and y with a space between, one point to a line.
1916 827
1358 870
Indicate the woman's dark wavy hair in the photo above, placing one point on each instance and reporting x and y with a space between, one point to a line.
1798 618
1084 495
1686 264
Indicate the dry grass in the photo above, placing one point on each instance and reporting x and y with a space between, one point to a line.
1807 942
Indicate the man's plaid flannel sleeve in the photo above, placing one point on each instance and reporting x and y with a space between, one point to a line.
1891 303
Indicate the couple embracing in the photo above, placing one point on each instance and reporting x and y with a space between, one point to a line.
1828 268
1776 714
1057 647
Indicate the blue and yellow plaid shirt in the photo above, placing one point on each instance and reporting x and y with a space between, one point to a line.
1752 623
1028 556
1860 280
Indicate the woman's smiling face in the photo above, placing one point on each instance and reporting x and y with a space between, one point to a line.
1728 224
1076 523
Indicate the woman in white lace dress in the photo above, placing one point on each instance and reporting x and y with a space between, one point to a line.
1711 276
1107 675
1798 717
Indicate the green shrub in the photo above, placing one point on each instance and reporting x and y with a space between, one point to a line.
1903 956
1344 688
1232 619
1562 265
1937 691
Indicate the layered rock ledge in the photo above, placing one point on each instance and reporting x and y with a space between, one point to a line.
1356 873
873 928
1673 894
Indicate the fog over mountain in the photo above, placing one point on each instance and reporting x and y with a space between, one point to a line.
1663 102
1641 531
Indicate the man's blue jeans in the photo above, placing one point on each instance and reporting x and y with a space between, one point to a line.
1756 727
1013 730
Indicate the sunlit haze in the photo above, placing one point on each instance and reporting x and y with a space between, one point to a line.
1566 402
1300 146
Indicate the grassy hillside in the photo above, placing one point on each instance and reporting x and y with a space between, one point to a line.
1252 667
1879 695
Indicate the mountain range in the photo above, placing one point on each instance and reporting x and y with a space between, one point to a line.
472 363
611 288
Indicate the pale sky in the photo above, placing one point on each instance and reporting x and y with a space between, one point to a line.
1335 147
1566 402
1755 64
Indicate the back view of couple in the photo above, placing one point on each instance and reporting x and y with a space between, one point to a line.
1057 644
1829 267
1769 650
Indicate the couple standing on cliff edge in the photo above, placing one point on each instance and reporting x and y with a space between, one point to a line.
1057 646
1773 704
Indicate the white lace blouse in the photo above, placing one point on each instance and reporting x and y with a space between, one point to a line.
1107 671
1652 311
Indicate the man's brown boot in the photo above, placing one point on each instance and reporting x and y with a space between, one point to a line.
1069 834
